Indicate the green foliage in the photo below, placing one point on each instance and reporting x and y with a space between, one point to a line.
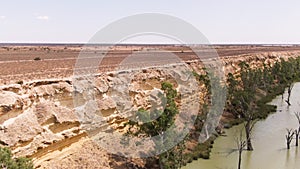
171 158
203 78
211 109
245 97
7 160
244 88
247 92
164 121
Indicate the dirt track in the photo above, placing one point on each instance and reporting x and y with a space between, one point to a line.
57 61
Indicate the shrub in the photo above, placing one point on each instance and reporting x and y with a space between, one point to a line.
37 58
20 82
7 160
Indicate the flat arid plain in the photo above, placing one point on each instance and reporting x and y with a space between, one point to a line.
57 61
37 118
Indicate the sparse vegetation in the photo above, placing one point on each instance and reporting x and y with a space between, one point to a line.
171 158
37 58
7 161
20 82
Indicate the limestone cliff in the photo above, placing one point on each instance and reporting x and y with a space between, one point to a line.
38 119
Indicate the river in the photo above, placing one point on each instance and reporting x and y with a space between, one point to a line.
268 140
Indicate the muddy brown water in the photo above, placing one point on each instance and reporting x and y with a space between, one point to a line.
268 140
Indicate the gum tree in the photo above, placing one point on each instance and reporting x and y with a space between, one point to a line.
242 98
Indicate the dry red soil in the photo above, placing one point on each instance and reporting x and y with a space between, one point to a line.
57 61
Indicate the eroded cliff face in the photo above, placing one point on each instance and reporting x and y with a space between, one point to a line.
38 118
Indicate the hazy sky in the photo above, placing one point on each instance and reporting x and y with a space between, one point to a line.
221 21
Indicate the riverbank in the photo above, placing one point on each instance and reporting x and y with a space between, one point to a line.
268 140
203 150
249 93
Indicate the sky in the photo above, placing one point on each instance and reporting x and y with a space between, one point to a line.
76 21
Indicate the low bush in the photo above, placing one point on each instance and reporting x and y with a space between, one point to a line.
7 160
37 58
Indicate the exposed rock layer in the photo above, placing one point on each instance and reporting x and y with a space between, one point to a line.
38 119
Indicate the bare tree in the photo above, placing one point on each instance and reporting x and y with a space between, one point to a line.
241 144
248 128
289 137
297 132
248 115
297 114
290 88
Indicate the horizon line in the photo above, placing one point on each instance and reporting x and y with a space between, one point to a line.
139 44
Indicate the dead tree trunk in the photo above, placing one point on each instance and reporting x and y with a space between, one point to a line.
240 159
289 137
247 112
297 132
241 144
290 88
248 130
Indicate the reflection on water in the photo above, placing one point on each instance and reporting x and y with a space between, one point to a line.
268 140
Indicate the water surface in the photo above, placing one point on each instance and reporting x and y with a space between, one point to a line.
268 140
